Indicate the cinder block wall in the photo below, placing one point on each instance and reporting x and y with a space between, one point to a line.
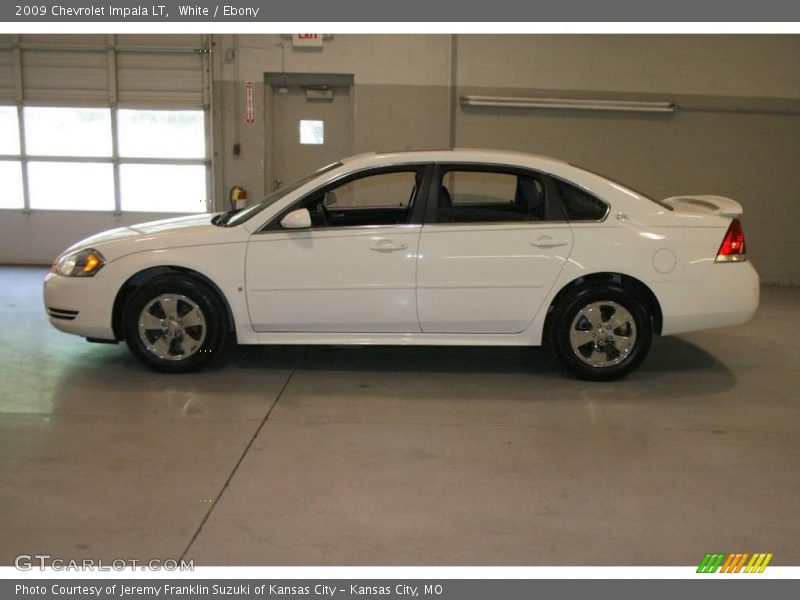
401 95
736 131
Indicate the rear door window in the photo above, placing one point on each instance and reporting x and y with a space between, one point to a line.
490 196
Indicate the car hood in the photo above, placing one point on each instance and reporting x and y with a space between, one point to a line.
190 230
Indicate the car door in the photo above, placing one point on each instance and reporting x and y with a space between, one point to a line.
493 244
353 270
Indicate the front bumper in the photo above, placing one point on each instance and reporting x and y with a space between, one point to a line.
80 305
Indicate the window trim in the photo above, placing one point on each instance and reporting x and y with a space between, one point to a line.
417 209
441 169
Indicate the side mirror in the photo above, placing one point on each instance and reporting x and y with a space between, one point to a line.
297 219
330 199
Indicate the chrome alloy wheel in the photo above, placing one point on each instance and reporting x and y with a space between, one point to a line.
602 334
172 327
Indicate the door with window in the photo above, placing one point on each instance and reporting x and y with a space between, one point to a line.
353 270
311 128
495 240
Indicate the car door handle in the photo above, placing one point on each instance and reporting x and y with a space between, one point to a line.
547 242
385 245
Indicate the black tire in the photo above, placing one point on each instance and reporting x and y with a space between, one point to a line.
190 348
603 301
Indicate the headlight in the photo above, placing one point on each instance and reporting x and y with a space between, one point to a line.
84 263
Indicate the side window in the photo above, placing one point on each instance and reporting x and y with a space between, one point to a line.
490 196
579 204
374 199
385 190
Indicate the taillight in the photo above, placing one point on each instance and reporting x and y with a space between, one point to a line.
732 248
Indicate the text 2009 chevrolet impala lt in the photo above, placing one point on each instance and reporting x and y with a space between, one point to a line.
462 247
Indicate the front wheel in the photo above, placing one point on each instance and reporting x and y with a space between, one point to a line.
601 332
175 324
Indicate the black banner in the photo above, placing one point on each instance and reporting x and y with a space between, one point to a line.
513 11
713 586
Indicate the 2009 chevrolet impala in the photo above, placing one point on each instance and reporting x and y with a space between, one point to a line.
462 247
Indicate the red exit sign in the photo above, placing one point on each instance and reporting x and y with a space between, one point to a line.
307 39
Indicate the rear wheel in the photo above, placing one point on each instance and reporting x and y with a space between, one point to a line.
601 332
175 324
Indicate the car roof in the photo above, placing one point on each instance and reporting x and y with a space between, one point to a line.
477 155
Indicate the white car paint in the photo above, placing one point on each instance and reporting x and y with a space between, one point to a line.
334 280
505 270
477 284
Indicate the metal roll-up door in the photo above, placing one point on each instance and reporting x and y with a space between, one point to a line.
161 71
7 85
152 71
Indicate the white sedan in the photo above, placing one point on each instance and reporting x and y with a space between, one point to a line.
461 247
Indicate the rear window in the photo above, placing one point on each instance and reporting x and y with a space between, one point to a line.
627 187
579 204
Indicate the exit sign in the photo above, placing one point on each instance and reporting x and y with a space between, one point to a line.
307 39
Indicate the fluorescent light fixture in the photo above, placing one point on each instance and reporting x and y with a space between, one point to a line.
568 104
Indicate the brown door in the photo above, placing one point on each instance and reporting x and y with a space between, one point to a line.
310 130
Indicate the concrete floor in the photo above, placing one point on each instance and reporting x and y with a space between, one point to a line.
394 456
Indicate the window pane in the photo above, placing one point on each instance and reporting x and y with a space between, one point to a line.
312 132
479 188
486 197
580 205
11 184
68 131
384 190
161 133
71 186
163 188
377 199
9 130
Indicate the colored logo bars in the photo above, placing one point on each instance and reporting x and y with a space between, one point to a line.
734 563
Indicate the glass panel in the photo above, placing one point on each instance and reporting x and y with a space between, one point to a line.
486 197
71 186
161 133
9 130
383 190
468 187
11 184
68 131
312 132
163 188
580 205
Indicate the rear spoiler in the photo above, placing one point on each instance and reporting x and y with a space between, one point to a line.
706 204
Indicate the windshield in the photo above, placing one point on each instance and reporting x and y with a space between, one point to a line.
239 217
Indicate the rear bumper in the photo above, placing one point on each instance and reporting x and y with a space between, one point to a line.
79 305
728 296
